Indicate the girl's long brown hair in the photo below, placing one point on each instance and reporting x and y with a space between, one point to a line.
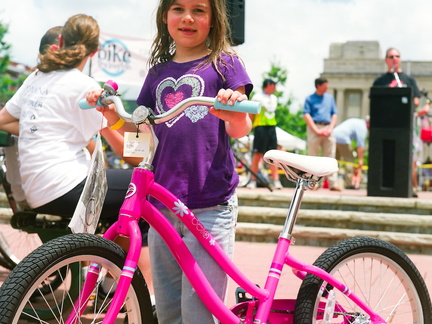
80 37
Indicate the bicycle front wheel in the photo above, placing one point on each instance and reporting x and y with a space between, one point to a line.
378 272
28 296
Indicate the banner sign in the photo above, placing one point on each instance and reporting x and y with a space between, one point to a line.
121 58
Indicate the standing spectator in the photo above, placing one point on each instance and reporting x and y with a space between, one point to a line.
352 129
394 77
320 114
265 131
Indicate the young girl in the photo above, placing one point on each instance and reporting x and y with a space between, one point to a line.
192 57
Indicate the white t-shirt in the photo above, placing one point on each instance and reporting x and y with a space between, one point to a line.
53 132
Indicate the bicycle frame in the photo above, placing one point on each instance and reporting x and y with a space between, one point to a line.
136 205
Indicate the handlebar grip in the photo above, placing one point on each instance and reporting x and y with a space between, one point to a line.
83 104
246 106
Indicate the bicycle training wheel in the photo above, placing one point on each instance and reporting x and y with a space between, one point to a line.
16 244
379 273
27 296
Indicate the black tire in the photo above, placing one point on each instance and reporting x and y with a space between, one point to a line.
21 299
378 272
243 158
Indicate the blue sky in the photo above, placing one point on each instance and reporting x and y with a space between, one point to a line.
295 33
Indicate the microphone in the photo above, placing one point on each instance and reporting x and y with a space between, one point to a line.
398 81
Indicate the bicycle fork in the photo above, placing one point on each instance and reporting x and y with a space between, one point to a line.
128 271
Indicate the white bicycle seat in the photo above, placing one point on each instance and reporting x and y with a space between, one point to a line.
314 165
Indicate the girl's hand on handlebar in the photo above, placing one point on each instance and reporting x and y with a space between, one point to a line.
93 96
109 111
228 96
238 124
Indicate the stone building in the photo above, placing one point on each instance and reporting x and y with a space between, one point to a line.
353 66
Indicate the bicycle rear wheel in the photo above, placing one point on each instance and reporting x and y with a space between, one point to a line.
16 244
376 271
243 158
27 294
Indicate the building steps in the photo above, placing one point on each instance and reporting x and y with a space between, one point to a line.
325 220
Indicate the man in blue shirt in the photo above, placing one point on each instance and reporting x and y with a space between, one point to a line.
320 114
352 129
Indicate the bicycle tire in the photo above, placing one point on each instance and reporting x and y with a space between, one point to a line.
378 272
16 244
242 167
18 301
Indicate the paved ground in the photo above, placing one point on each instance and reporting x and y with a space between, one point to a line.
254 260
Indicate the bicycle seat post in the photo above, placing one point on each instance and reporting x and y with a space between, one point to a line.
291 218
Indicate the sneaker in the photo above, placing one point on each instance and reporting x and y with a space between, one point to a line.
277 184
335 189
252 184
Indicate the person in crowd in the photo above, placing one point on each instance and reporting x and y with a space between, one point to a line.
347 132
265 132
395 77
191 56
320 114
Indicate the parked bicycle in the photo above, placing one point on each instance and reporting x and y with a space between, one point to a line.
359 280
243 155
18 235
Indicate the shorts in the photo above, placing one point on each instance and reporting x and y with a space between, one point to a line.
118 183
264 139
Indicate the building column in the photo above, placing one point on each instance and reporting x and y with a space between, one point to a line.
340 104
365 103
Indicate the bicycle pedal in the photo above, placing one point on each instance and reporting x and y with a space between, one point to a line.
242 296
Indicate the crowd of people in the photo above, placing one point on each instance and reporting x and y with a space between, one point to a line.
54 135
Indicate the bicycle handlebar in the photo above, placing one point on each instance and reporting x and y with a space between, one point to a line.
141 113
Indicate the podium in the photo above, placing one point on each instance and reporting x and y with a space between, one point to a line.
390 142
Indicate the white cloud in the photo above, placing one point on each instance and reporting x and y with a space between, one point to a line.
296 33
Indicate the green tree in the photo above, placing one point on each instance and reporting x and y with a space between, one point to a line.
291 122
8 85
4 48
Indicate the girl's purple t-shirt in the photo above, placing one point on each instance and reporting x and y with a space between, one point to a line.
194 158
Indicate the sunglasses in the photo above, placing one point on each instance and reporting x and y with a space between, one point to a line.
393 56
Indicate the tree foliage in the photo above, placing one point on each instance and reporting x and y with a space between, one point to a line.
8 85
289 121
4 48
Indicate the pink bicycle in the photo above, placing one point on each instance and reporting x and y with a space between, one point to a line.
359 280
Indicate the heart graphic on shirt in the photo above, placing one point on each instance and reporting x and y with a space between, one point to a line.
173 99
170 92
195 113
